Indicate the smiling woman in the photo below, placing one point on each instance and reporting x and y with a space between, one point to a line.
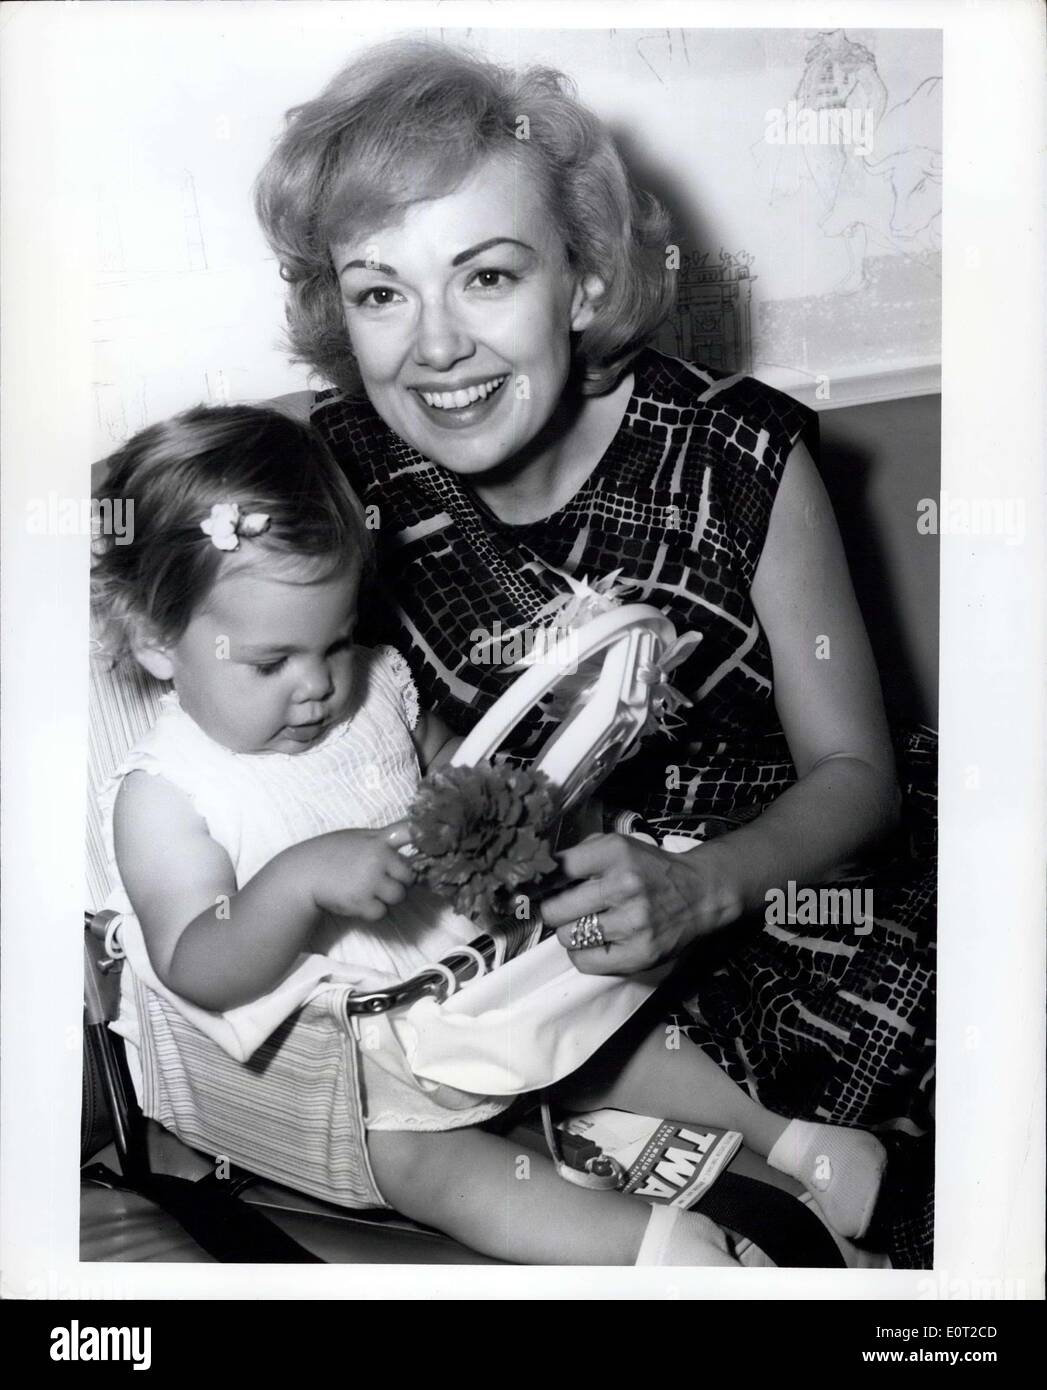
463 350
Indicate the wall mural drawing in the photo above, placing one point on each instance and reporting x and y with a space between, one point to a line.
865 166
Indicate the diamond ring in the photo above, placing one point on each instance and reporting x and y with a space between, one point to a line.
586 933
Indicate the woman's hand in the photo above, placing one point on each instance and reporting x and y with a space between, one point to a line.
651 904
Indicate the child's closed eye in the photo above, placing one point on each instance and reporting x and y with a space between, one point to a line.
269 668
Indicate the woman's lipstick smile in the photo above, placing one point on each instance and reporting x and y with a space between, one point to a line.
463 406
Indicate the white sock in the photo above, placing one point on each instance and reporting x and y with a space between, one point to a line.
677 1237
841 1168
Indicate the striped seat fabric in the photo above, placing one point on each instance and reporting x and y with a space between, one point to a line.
293 1114
124 703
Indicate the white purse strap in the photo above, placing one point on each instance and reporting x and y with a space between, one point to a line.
599 730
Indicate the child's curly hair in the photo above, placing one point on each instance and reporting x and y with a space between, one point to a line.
149 581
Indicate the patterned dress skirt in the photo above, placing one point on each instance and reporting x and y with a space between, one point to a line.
834 1020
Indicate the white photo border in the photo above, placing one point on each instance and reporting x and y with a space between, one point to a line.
990 1019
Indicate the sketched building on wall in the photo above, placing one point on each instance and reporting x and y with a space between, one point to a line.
712 321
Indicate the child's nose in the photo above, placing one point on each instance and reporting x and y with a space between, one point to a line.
316 682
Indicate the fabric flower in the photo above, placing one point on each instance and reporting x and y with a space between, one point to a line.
221 525
480 833
225 525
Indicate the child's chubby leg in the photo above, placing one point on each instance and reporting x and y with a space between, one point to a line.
511 1204
841 1168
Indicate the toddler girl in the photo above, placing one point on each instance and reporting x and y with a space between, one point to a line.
264 813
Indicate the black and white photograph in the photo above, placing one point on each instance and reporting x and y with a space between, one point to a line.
511 554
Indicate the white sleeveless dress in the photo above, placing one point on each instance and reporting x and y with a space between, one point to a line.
362 774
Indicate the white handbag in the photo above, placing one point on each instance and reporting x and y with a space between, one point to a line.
510 1026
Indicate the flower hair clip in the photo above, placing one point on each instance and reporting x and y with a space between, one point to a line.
226 525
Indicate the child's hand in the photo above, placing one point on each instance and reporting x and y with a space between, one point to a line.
359 873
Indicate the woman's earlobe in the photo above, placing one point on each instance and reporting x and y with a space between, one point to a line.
587 295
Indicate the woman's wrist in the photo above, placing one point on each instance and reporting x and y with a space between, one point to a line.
809 834
721 900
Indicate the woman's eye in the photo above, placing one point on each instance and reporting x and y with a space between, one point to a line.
269 668
491 279
377 297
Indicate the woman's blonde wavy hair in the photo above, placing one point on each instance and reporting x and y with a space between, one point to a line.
408 121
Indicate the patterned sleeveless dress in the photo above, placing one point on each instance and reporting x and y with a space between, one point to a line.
816 1021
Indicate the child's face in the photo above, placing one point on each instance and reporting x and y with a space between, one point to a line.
266 665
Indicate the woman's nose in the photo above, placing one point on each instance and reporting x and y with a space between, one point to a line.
440 340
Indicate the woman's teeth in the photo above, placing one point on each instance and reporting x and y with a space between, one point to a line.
458 400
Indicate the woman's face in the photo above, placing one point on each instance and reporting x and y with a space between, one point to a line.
460 317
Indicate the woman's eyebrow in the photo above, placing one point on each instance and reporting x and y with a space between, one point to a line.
464 256
460 259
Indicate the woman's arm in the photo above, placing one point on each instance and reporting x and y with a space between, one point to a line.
652 903
827 693
218 946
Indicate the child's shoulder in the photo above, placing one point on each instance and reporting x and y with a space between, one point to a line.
175 773
146 800
389 681
173 741
173 753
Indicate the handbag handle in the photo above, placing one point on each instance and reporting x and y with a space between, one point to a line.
600 729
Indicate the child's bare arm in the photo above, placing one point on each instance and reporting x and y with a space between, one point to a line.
218 946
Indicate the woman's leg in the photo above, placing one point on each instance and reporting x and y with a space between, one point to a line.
678 1083
511 1204
842 1168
